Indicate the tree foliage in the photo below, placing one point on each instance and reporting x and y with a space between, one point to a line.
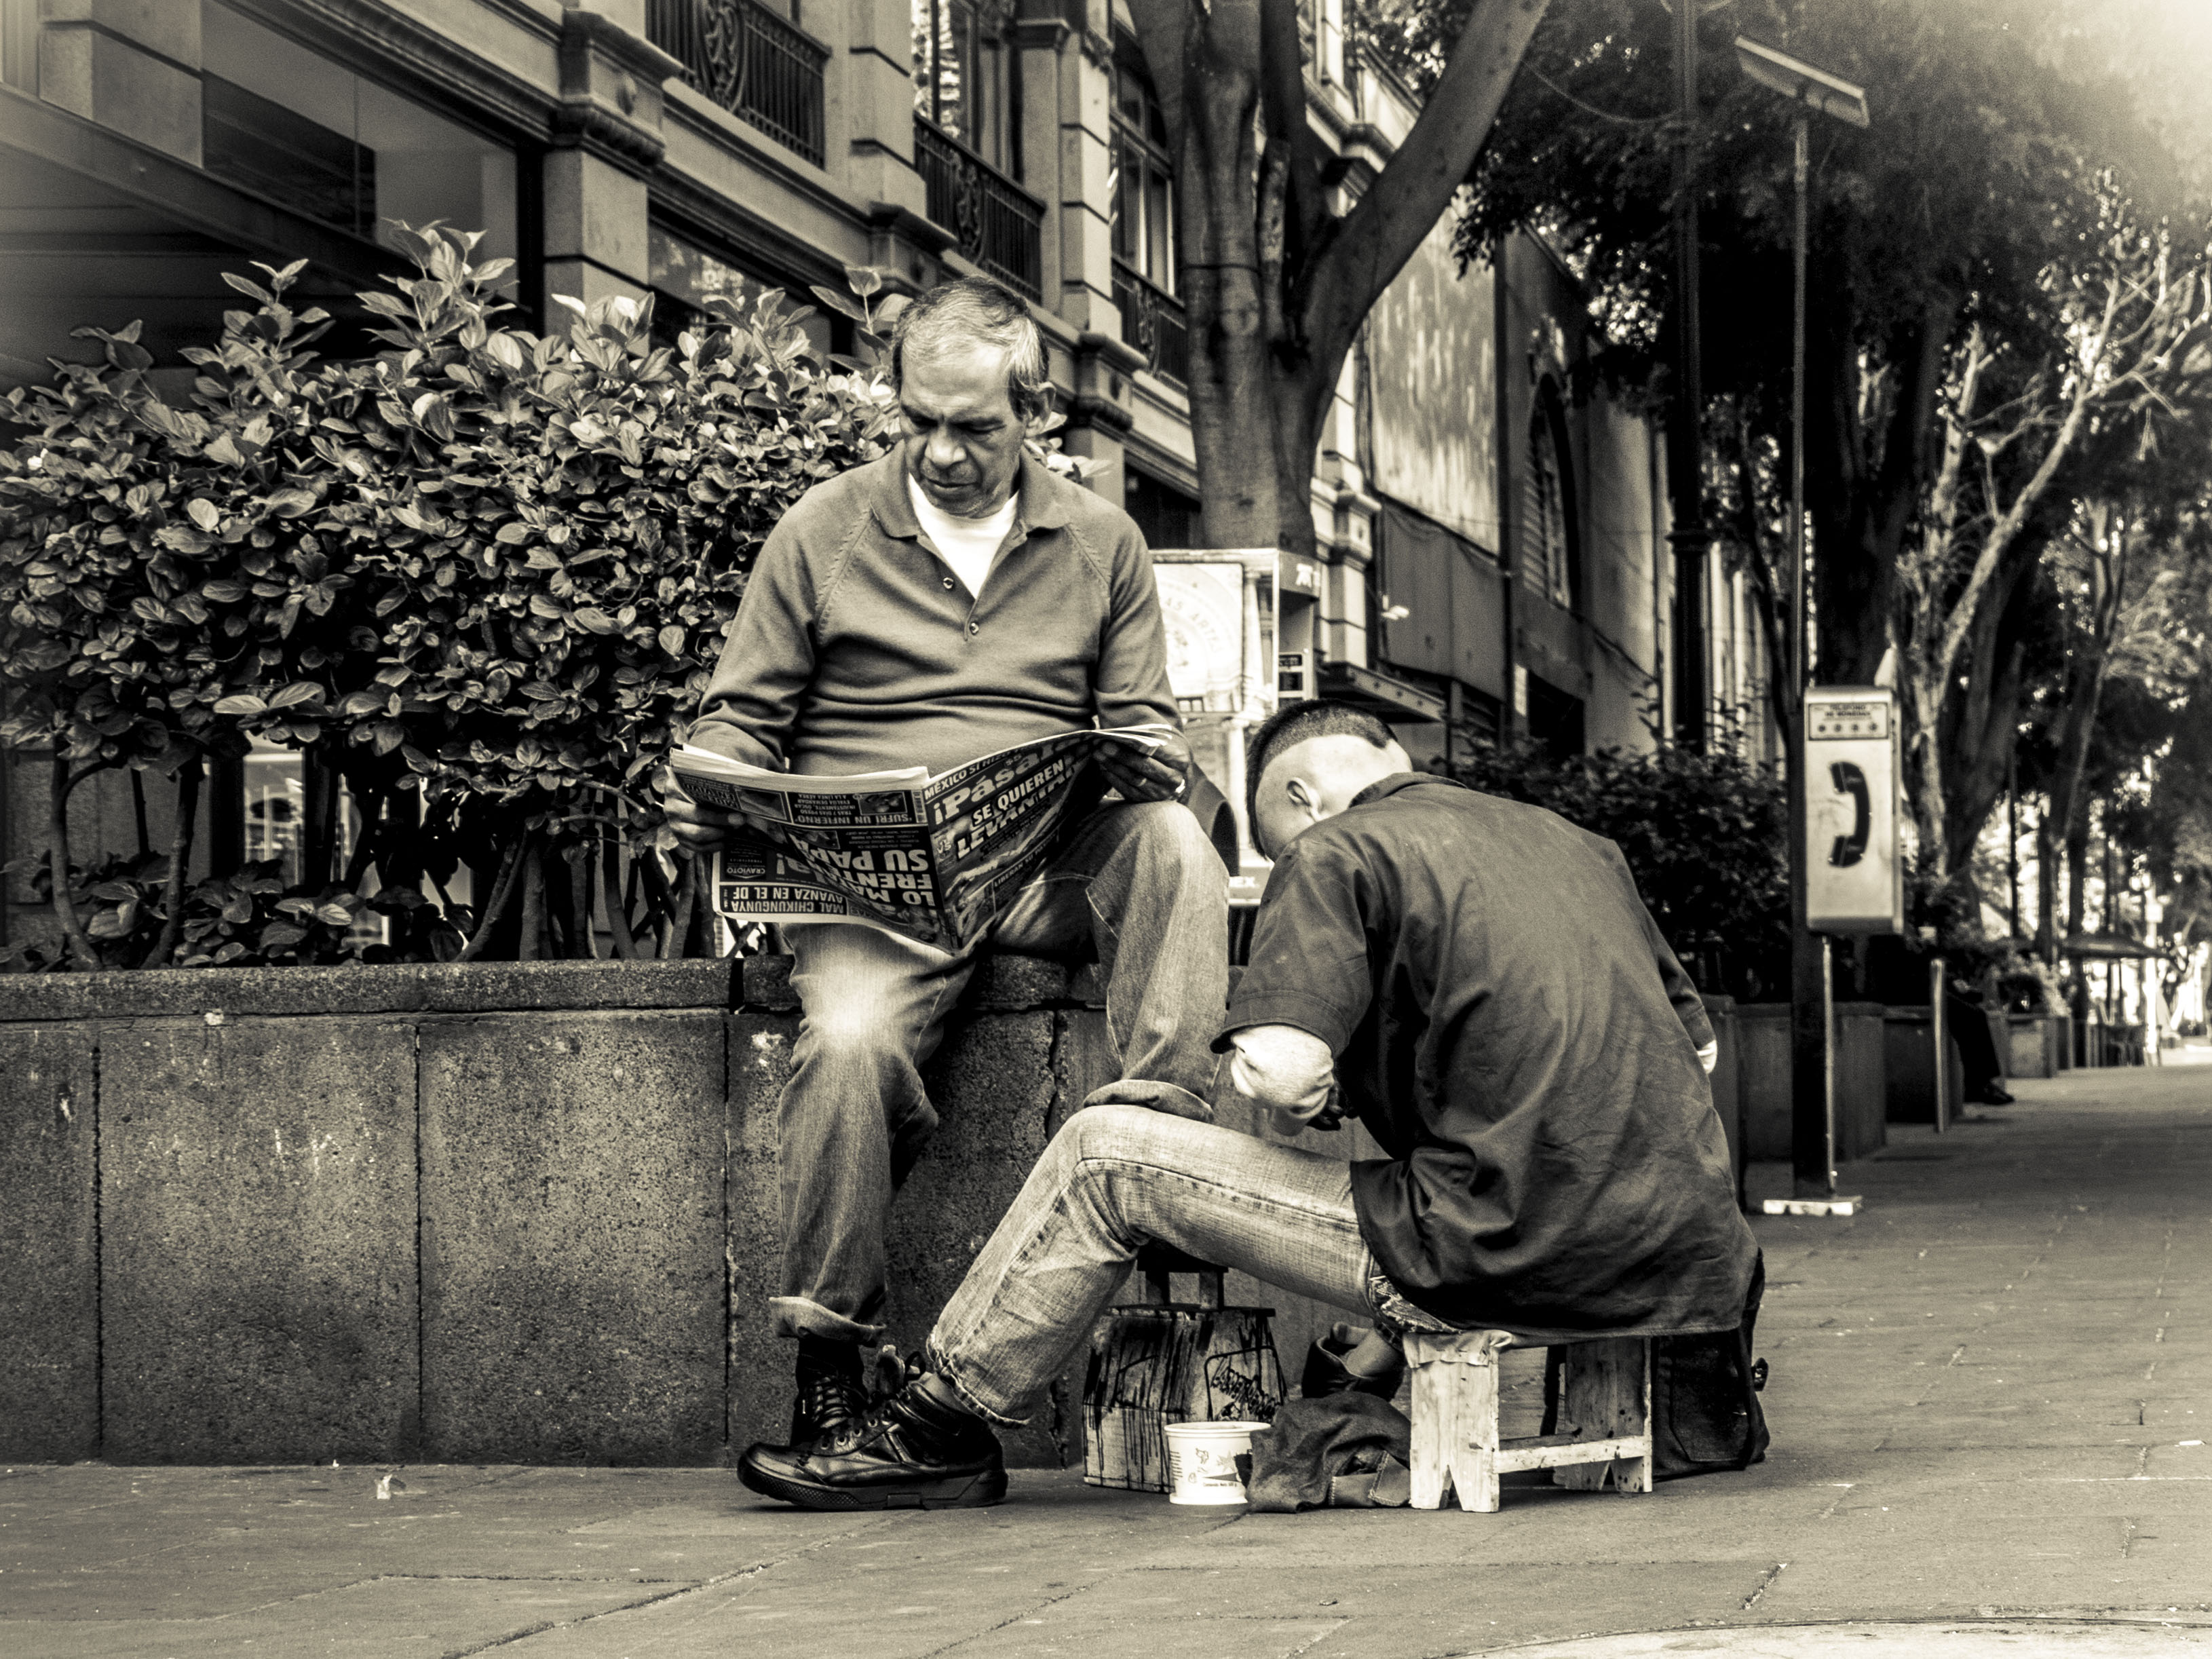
1704 835
1963 252
485 569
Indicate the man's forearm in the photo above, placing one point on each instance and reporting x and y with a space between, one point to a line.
1290 1071
725 736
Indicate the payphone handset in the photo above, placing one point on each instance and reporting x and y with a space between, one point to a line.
1851 847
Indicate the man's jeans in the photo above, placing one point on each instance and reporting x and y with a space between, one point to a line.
1139 883
1116 1177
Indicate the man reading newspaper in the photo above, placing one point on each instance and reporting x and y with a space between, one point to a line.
946 601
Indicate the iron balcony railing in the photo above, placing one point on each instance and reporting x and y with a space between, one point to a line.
760 67
1153 321
995 221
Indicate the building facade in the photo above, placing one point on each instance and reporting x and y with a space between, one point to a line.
1490 549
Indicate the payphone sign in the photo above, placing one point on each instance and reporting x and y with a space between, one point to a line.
1855 879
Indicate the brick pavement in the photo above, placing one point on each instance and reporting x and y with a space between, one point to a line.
1992 1392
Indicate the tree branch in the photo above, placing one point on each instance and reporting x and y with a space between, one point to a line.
1357 257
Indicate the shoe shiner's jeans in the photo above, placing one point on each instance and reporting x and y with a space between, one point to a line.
1137 884
1116 1177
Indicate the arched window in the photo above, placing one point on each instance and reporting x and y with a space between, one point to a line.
1549 532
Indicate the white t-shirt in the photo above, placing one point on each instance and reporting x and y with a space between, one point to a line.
966 545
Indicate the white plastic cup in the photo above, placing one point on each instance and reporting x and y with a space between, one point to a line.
1202 1460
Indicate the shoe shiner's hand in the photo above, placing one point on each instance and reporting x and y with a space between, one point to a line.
1159 773
1289 1071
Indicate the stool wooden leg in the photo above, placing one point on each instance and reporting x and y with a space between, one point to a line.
1606 1395
1456 1417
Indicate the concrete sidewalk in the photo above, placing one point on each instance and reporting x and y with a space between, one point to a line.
1991 1397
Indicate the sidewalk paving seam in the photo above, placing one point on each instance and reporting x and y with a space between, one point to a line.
1035 1607
688 1588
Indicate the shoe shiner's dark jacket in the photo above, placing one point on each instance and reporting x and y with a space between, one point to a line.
1511 1027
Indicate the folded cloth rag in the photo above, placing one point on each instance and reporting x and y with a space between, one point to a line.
1339 1451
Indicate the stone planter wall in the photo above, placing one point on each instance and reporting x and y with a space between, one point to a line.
1910 1046
486 1213
2035 1045
1763 1040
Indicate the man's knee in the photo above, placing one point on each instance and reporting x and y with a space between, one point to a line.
1170 837
849 1059
1103 1133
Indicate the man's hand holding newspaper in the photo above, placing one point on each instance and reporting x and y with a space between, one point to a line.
934 859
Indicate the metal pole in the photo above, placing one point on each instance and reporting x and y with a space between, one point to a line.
1801 658
1828 1059
1939 1028
1684 446
1812 961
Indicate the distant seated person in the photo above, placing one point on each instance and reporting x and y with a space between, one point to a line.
1479 984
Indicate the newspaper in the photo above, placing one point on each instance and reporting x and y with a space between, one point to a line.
934 859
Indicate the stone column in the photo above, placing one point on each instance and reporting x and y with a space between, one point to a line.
132 65
1098 415
1039 44
879 95
606 138
1079 283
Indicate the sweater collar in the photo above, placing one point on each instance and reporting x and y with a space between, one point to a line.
1043 497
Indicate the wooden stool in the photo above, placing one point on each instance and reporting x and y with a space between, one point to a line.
1605 1393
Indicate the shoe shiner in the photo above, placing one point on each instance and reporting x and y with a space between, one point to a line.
1479 982
949 599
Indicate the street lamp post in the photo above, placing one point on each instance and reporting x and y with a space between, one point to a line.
1812 1068
1685 445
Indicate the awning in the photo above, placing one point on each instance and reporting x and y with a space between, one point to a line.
2106 947
1387 699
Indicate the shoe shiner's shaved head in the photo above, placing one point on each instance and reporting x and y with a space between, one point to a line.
1306 764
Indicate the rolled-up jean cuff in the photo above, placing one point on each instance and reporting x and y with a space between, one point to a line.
1394 1315
795 1316
937 1365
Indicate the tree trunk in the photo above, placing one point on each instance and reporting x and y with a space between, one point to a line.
495 904
2046 886
1863 478
57 863
582 941
180 861
1275 285
2077 901
1924 762
531 946
1232 404
625 943
1981 729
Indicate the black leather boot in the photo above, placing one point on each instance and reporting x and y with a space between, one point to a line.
833 1391
919 1449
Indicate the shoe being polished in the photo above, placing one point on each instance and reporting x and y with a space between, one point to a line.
1325 1372
833 1393
917 1450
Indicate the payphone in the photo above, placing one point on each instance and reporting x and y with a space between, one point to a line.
1854 876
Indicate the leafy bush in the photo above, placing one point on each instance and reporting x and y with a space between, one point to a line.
486 569
1705 835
